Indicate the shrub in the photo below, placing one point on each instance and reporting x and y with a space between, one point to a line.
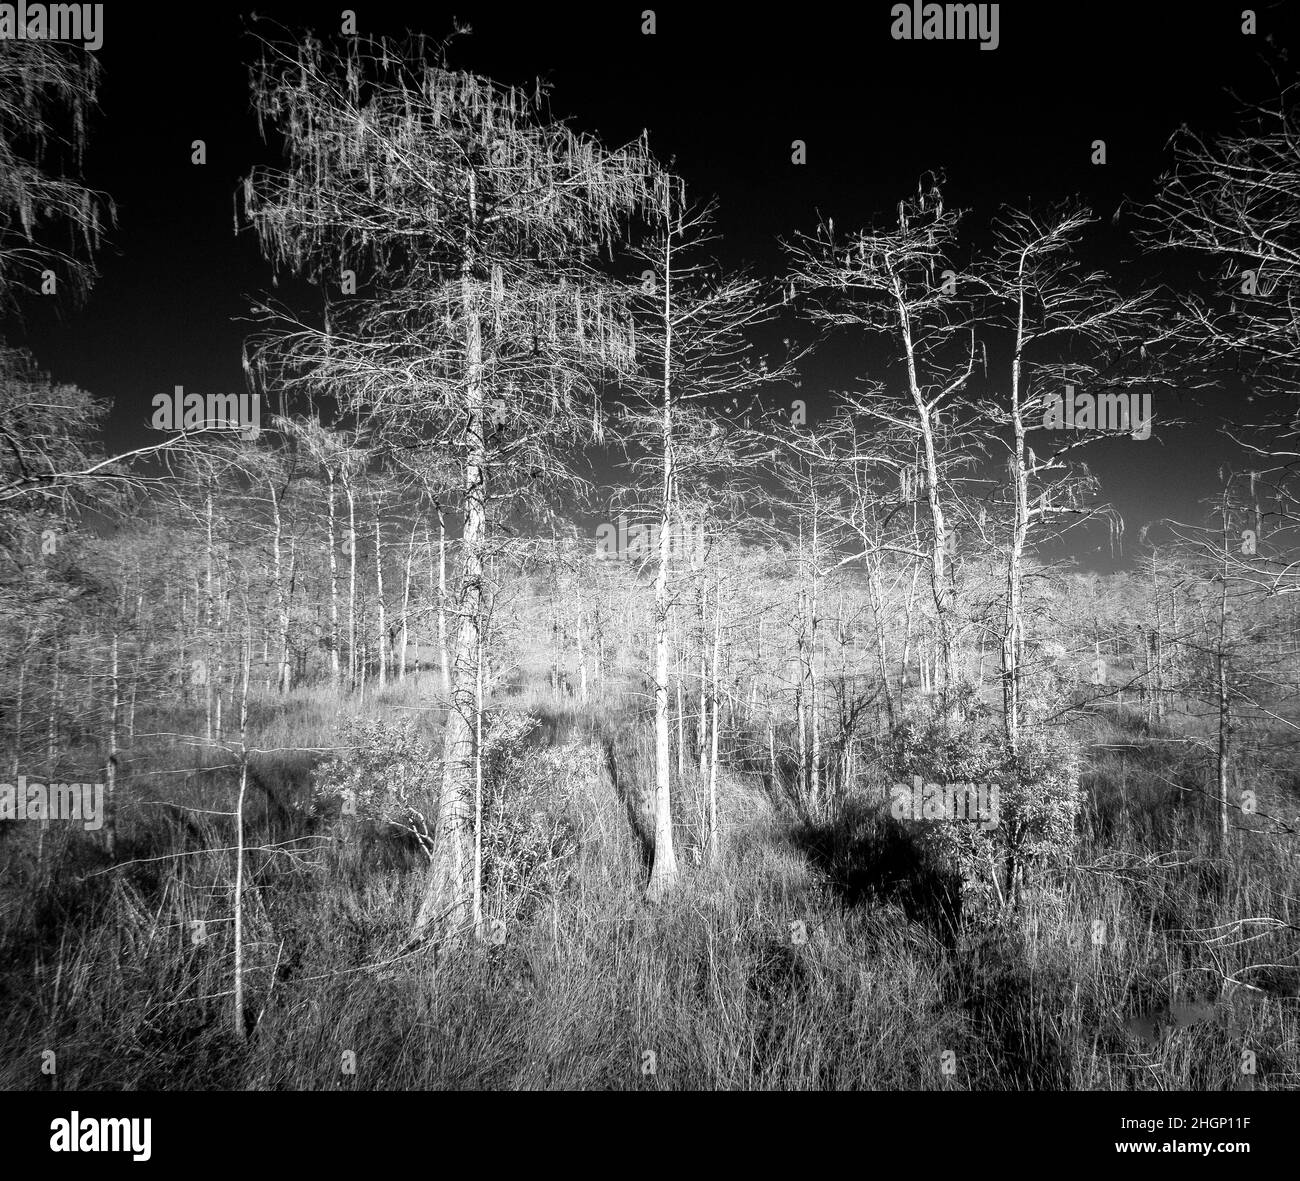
529 837
383 773
1038 796
386 771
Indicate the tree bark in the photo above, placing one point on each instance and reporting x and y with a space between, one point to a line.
382 620
442 604
334 586
448 899
714 844
663 873
352 581
110 770
1225 717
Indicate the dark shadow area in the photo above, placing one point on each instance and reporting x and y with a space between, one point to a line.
1015 1014
557 722
866 856
629 791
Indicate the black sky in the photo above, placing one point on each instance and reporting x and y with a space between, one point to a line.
723 91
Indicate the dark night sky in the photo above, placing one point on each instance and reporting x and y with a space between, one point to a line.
724 91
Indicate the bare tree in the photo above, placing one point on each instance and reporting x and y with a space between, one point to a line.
694 323
1233 203
47 94
473 220
1068 327
902 283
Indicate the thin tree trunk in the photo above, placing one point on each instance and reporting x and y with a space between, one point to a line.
1225 717
382 630
878 618
681 725
448 899
714 844
241 1030
209 617
180 647
352 583
939 589
771 750
907 635
814 768
442 604
582 662
1020 463
110 770
286 625
801 712
334 586
135 673
406 606
219 660
282 600
702 727
663 873
478 794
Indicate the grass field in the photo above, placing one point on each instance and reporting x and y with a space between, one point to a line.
818 952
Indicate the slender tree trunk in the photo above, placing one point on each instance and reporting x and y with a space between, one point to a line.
135 672
814 766
209 618
801 712
714 844
286 626
406 606
582 661
382 621
907 635
352 582
217 671
363 661
771 750
448 900
878 618
939 588
1013 627
663 873
181 635
282 600
334 585
702 727
1020 463
478 795
1225 715
241 1029
110 770
1175 670
442 604
681 725
1158 647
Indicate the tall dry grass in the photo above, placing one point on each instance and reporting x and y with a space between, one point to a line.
818 953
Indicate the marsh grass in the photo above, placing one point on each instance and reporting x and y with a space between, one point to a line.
815 954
